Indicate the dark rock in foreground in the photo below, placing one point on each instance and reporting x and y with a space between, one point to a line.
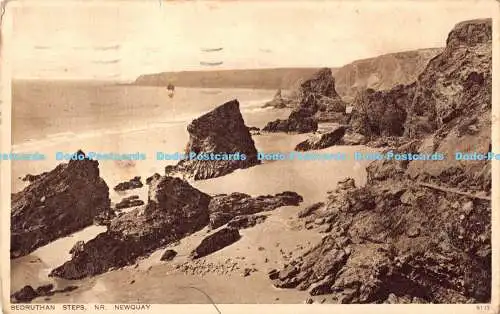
56 204
174 210
397 237
168 255
324 140
222 131
215 242
27 293
224 207
134 183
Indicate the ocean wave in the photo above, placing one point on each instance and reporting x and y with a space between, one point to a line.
58 138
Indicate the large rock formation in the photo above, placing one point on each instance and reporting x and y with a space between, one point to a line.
419 231
317 101
222 133
397 238
454 84
56 204
174 210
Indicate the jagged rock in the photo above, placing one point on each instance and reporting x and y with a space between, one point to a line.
278 101
174 209
77 248
222 133
60 202
246 221
168 255
130 201
317 99
215 242
225 207
323 140
389 246
134 183
395 240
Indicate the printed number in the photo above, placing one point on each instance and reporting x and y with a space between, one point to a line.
482 307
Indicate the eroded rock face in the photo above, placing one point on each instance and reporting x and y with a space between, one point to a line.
324 140
174 209
56 204
455 85
224 207
221 131
317 99
381 113
396 238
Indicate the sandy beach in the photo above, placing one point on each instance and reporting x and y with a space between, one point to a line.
311 179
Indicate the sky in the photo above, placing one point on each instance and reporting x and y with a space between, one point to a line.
120 40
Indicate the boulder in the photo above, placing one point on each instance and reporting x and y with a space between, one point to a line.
324 140
215 242
174 210
168 255
134 183
62 201
222 132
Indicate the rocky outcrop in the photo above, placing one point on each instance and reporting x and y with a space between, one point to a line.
130 201
224 207
317 99
397 238
134 183
174 209
278 102
56 204
419 231
455 84
324 140
219 143
381 113
214 242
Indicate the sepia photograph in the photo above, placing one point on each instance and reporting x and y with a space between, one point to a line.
249 152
